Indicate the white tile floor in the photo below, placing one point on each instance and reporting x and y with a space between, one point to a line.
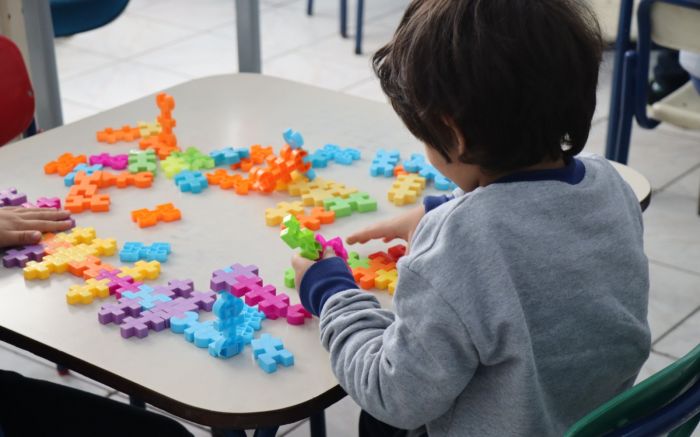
158 43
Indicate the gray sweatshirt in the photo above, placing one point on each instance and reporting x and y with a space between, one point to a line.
521 307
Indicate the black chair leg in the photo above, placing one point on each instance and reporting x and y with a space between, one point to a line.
344 18
317 423
310 7
358 30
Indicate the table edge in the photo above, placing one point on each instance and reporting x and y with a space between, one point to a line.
180 409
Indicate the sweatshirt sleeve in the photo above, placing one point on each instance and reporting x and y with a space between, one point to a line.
404 368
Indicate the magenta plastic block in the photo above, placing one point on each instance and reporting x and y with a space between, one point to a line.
254 292
274 305
225 279
20 257
117 162
11 197
296 314
246 285
49 202
118 285
334 243
117 312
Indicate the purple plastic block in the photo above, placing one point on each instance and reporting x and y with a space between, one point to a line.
20 257
10 197
176 288
226 278
334 243
139 326
245 285
117 162
180 305
117 312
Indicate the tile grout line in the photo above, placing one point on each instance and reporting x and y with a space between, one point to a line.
677 178
664 354
671 266
676 325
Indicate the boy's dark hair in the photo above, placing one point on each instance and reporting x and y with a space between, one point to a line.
517 78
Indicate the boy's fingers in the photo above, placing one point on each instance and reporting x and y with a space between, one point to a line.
22 238
45 225
45 214
371 233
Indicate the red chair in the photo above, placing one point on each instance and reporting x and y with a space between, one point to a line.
16 94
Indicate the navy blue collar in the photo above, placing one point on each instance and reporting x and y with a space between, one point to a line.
572 173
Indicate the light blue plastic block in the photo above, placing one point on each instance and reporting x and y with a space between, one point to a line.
311 174
269 352
225 156
293 138
242 152
130 252
415 163
444 184
318 159
146 297
384 163
191 181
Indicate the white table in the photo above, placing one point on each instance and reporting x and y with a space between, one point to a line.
218 229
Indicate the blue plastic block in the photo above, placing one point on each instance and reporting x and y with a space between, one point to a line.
318 159
311 174
146 297
384 163
444 184
202 334
191 181
69 179
179 324
269 351
347 156
331 150
242 152
225 156
293 138
130 252
414 164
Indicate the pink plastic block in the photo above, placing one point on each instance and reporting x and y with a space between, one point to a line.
334 243
296 314
117 162
246 285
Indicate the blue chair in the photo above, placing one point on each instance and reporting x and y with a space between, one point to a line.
667 23
344 20
74 16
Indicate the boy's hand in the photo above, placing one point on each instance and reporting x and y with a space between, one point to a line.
24 226
402 227
301 264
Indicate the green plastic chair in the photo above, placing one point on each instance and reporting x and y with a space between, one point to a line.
643 400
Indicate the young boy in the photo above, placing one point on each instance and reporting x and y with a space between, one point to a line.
522 304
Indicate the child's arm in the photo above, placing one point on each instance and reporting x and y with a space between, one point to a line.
404 368
23 226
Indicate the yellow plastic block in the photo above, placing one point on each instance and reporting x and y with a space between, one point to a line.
77 235
86 293
148 129
316 196
406 189
143 270
303 187
104 246
274 216
386 279
36 270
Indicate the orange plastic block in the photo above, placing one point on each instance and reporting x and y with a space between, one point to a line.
64 164
163 144
78 267
111 136
128 133
165 102
365 277
222 178
399 170
108 135
95 203
165 212
102 179
316 218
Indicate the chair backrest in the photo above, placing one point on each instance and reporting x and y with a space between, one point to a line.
676 26
74 16
16 94
642 400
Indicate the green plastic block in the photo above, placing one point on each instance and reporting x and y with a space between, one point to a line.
338 205
173 164
362 202
354 260
197 160
289 278
297 237
145 160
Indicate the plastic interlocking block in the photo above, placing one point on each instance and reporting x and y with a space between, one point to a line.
297 237
226 279
64 164
274 216
418 164
297 314
146 297
319 158
338 205
117 162
293 138
118 311
362 202
86 293
48 202
225 156
386 279
406 189
165 212
355 260
119 282
334 243
20 257
228 311
316 217
143 270
191 181
289 277
140 161
148 129
384 163
11 197
133 251
269 352
173 164
196 159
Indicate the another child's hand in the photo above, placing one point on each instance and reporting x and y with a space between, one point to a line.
401 227
301 264
23 226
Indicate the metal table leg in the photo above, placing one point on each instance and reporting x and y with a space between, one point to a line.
248 33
